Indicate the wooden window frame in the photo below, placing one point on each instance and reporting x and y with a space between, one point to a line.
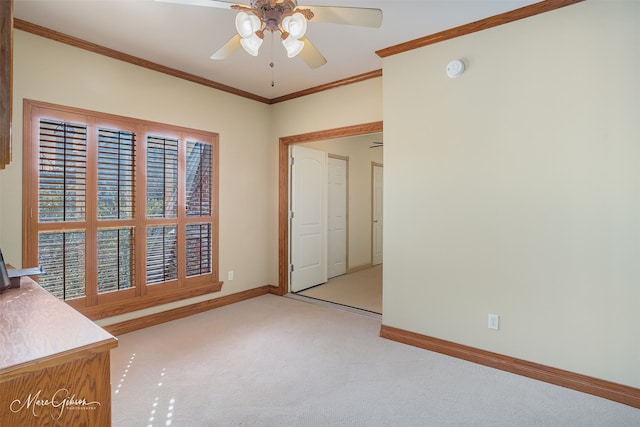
95 305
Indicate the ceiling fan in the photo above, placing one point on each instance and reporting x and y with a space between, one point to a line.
286 17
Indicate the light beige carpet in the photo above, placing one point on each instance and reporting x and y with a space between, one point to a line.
362 290
274 361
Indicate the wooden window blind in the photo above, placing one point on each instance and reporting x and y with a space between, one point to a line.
116 258
162 254
116 201
62 195
62 255
198 204
116 174
121 213
199 163
63 171
162 177
198 249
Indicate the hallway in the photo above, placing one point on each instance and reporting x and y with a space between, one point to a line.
361 290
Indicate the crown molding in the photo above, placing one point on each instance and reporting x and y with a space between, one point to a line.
121 56
474 27
349 80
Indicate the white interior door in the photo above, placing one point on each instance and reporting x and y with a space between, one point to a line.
337 217
309 218
377 214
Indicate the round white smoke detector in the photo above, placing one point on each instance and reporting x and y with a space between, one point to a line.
455 68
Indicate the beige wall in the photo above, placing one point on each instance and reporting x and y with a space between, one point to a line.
511 190
344 106
356 148
48 71
514 190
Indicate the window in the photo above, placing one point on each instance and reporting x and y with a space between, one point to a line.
120 213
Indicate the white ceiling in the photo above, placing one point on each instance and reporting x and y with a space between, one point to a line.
184 37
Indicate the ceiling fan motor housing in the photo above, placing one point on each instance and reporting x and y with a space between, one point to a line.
271 12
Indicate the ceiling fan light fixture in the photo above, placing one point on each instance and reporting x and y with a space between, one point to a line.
247 24
284 16
295 25
293 46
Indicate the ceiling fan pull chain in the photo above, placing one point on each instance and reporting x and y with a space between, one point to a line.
271 63
272 81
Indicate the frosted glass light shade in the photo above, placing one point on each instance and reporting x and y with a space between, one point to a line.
295 25
247 24
293 46
251 44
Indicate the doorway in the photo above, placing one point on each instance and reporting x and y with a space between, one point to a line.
285 192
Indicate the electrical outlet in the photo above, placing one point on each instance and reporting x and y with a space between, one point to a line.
494 322
230 275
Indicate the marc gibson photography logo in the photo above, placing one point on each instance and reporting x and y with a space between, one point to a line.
62 400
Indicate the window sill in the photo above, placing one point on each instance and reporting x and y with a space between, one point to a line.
141 302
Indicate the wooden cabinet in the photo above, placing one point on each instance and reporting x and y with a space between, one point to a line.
54 362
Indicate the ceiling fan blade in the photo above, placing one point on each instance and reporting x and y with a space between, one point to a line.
208 3
363 17
228 48
311 55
